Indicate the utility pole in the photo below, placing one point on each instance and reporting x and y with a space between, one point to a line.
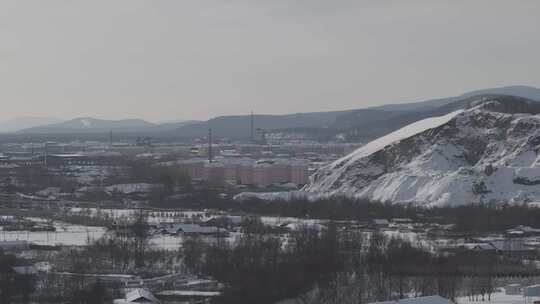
210 145
252 129
45 153
110 139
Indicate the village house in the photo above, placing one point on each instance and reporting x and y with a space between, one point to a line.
401 220
225 221
380 223
513 289
522 231
189 229
138 296
187 296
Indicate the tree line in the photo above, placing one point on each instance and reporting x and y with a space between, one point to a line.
477 217
333 266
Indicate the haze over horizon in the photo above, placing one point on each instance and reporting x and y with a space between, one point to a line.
168 60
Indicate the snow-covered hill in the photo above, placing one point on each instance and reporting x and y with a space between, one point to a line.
487 152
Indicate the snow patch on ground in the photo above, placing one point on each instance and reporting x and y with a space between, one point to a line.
86 123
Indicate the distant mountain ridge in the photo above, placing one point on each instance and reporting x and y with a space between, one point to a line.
518 90
87 125
21 123
352 125
239 126
92 125
396 116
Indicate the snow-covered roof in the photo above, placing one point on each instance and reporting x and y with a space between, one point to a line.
190 228
300 225
200 282
525 229
479 246
234 219
74 155
509 245
426 300
141 296
419 300
189 293
401 220
130 188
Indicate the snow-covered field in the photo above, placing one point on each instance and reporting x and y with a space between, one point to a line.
65 234
154 217
77 235
170 242
167 242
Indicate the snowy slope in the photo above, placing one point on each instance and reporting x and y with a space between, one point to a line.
488 152
380 143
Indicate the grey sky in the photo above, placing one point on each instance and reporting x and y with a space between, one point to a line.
196 59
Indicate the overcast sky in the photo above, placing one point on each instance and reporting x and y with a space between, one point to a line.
194 59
